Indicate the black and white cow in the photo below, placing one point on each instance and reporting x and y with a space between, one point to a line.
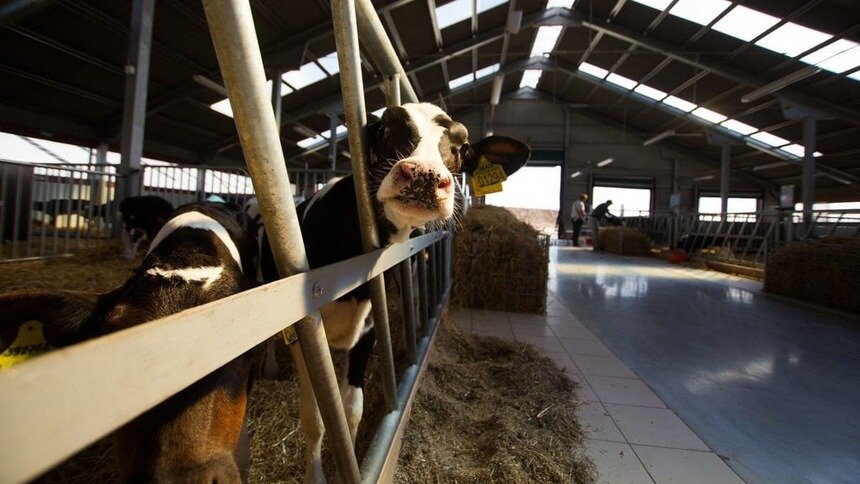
142 217
198 435
415 150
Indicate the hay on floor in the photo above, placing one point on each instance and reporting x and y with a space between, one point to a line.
500 263
824 271
624 241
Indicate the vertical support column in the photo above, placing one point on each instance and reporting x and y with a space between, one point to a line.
346 39
808 174
200 194
134 108
277 98
332 140
231 25
725 173
563 215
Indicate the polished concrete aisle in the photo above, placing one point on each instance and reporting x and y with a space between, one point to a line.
772 386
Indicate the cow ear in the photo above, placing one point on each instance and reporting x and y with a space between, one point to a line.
510 153
64 317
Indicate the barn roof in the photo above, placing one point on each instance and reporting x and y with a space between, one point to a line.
657 67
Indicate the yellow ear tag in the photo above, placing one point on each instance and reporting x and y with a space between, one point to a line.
289 334
488 177
29 342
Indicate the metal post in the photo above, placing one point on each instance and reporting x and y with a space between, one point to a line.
332 140
392 96
200 189
423 305
232 28
134 109
277 98
725 169
808 185
346 39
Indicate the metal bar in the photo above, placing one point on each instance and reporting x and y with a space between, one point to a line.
725 173
231 25
423 313
4 207
379 450
346 38
134 107
378 47
277 97
392 95
332 140
808 177
19 208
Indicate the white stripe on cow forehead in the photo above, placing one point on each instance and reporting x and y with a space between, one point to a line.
430 132
197 220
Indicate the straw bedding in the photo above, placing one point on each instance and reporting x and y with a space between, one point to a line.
487 410
500 263
824 271
624 241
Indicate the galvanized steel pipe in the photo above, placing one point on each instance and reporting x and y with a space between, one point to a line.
232 28
348 57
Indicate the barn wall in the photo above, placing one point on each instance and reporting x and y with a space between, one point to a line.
541 124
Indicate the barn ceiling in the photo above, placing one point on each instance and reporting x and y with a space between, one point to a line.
659 67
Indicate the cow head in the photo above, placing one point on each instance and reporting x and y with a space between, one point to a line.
197 435
415 149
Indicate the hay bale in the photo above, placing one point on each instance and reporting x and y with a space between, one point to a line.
624 241
500 263
824 271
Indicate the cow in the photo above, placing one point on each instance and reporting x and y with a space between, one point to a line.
142 217
414 151
198 435
53 208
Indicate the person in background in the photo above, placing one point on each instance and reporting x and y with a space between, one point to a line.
578 215
598 215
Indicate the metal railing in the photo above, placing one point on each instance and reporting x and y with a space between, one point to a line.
741 238
49 210
91 378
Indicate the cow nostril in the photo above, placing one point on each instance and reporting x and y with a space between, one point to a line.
407 170
444 183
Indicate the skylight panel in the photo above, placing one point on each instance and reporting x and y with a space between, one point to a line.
745 23
484 5
679 103
837 57
223 107
486 71
701 12
593 70
798 150
770 139
792 39
460 81
708 115
304 76
649 91
739 127
459 10
329 63
308 142
531 78
559 3
453 12
545 40
621 81
658 4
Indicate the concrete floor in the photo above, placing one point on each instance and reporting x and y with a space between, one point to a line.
772 386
